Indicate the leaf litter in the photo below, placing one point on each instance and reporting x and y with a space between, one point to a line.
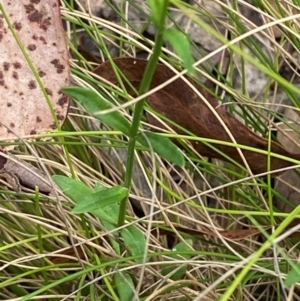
178 102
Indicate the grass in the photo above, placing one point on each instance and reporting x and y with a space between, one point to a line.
47 252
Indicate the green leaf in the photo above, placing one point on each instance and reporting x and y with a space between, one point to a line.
109 227
78 191
293 276
163 146
156 7
134 240
109 217
182 270
125 286
109 213
74 189
94 103
101 199
99 187
183 247
181 45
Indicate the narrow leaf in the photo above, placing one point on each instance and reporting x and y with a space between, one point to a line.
134 240
74 189
94 103
163 146
293 276
181 45
184 246
109 213
156 9
109 227
99 187
125 286
100 199
77 191
178 274
109 217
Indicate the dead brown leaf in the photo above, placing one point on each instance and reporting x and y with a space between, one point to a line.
179 103
69 255
23 108
236 235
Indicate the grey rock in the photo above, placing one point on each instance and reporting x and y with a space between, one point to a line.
288 184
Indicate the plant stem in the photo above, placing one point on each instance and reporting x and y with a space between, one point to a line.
139 107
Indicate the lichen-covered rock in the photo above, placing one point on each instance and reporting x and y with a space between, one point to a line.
27 91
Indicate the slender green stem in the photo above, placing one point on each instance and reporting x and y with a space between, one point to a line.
139 107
